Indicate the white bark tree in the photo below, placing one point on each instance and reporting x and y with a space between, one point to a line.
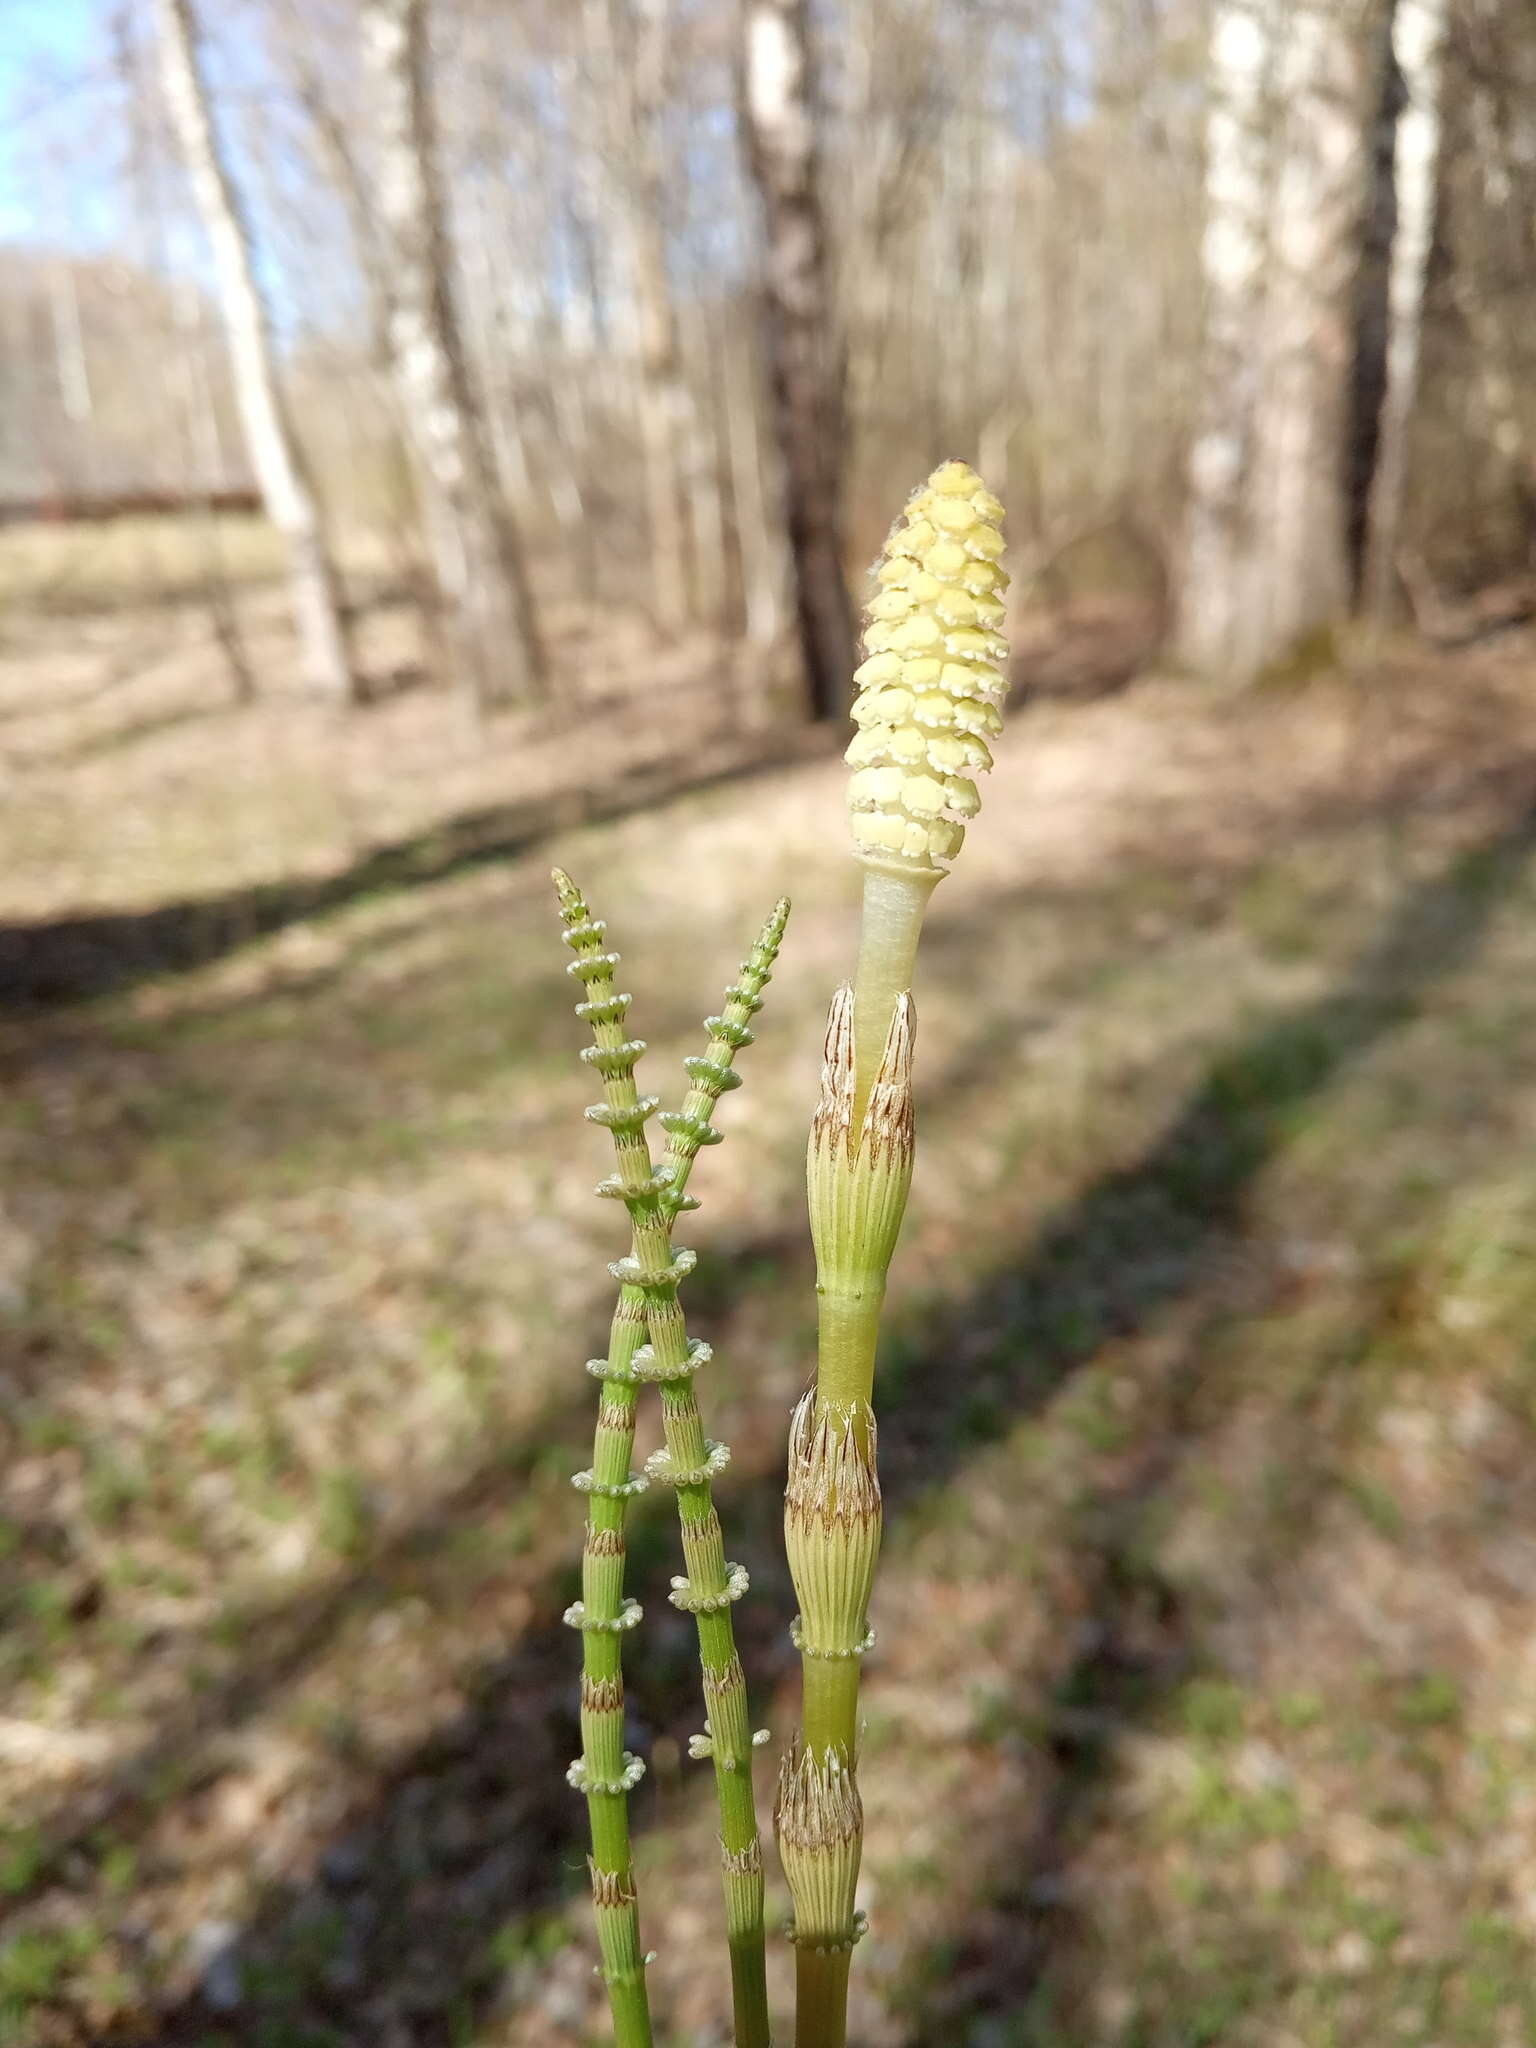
630 48
1266 559
1218 546
487 612
1418 31
287 490
804 352
760 544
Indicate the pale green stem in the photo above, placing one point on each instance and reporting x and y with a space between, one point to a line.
654 1199
604 1768
894 903
848 1326
848 1321
708 1576
821 1998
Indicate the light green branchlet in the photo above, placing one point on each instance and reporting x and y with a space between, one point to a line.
648 1307
930 697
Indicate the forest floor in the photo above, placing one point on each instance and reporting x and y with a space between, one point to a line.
1204 1708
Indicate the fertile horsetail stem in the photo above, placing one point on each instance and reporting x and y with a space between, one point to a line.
930 698
648 1307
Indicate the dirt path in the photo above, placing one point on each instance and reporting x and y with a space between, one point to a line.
1207 1380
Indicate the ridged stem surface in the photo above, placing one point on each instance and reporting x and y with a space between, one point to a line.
889 929
648 1304
852 1296
821 1997
605 1771
711 1584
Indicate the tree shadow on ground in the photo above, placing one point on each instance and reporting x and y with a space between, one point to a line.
421 1917
152 725
116 675
73 959
1141 1240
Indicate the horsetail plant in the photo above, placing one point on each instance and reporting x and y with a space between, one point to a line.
654 1196
930 696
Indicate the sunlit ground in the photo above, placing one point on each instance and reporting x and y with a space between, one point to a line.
1202 1710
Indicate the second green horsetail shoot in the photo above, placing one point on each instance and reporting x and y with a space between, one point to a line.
930 695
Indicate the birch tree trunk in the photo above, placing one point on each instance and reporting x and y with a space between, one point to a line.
487 612
69 356
630 41
760 541
805 357
1215 593
1300 475
287 490
1418 31
1266 561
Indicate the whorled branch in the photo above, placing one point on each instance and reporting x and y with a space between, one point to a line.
605 1771
649 1277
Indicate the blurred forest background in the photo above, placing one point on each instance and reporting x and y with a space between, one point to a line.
442 437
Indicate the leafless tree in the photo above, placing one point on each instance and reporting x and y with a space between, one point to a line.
1266 547
630 48
780 121
694 291
488 618
276 455
1418 32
